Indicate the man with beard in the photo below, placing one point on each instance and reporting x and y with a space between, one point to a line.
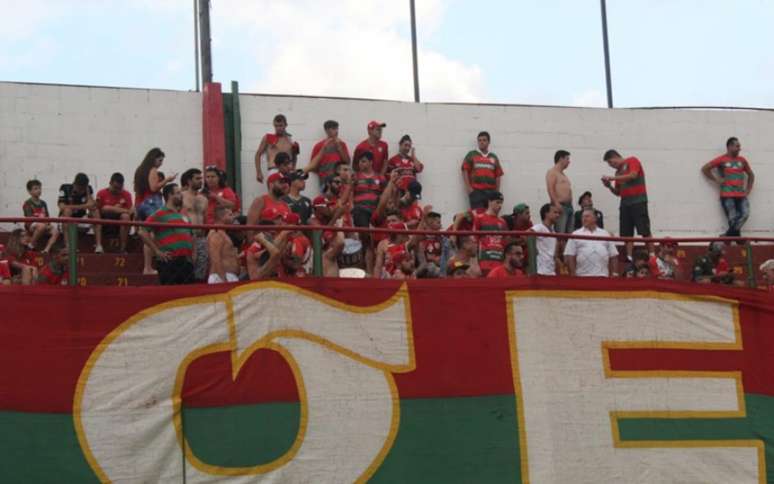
224 264
172 245
278 187
194 209
513 265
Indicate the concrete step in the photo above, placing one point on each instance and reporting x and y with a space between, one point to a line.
116 279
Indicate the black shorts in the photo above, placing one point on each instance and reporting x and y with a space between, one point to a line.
634 216
178 270
479 198
361 217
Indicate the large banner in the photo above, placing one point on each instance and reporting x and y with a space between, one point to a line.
336 381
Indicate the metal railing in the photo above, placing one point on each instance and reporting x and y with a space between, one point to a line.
70 228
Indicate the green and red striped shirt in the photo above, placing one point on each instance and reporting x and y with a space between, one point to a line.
490 247
368 189
733 171
175 240
633 191
483 170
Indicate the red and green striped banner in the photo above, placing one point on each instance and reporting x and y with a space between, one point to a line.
330 381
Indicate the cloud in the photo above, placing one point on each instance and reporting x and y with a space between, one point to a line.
591 98
352 48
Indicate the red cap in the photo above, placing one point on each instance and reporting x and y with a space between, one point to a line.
299 247
276 176
376 124
270 214
291 218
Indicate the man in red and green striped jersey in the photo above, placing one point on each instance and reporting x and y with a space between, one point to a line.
629 184
732 170
490 247
481 172
172 245
327 153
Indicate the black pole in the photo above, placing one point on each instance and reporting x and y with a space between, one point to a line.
606 46
196 42
206 44
414 50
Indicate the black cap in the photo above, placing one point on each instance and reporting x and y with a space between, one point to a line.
495 195
584 195
366 154
297 175
415 189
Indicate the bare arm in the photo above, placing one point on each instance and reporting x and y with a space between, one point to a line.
612 266
314 163
551 187
379 263
707 172
254 214
258 154
145 236
570 260
750 177
466 179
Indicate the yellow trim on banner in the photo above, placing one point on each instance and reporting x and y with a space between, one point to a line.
239 360
511 298
514 351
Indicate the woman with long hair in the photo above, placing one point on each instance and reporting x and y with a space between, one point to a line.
218 193
20 258
147 192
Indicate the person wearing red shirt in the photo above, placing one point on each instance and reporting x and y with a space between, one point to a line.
328 152
405 163
513 265
375 146
629 184
115 203
278 186
732 170
218 193
490 247
274 143
55 272
481 172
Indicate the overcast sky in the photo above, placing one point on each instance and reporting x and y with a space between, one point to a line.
664 52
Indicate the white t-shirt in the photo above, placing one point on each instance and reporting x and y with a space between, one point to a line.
546 248
591 256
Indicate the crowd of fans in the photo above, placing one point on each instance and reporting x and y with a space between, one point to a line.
367 189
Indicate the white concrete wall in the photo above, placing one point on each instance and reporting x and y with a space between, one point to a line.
51 132
672 145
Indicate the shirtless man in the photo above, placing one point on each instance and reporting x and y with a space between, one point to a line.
224 265
272 143
560 191
194 209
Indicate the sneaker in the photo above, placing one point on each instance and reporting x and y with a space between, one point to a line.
98 249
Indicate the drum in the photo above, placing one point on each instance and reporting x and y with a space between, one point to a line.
352 273
352 254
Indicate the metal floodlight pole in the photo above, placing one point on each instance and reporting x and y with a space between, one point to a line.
205 40
414 50
606 47
196 41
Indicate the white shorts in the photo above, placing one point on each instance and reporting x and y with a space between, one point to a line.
215 279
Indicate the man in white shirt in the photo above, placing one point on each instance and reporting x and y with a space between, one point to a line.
591 258
546 246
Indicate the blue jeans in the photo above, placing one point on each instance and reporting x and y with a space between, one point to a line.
737 211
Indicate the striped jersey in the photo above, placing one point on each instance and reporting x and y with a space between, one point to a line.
733 171
175 240
483 170
406 169
330 157
633 191
368 188
491 248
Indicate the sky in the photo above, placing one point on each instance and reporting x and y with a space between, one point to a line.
663 52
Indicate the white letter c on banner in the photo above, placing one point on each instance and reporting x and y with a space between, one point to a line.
127 403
